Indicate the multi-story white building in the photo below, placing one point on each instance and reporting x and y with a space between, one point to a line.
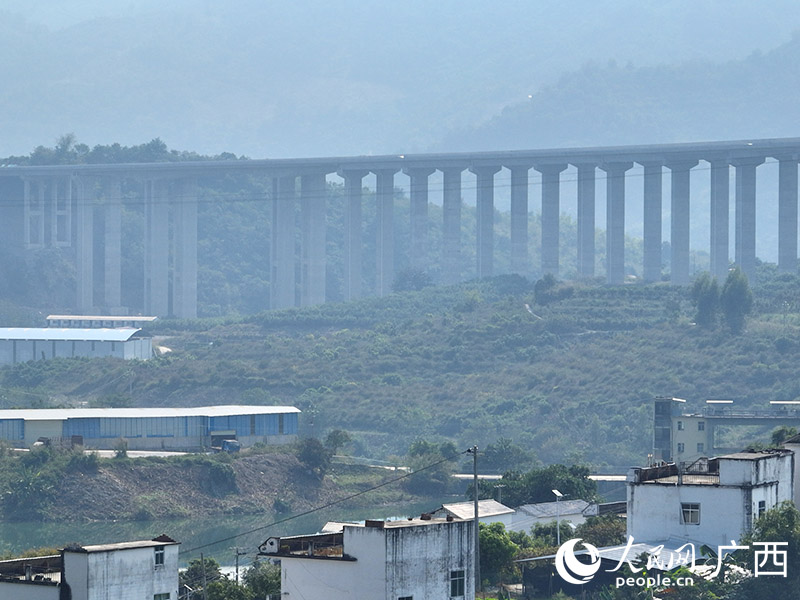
141 570
712 501
683 434
418 559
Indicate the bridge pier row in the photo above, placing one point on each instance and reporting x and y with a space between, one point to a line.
84 242
384 244
484 255
156 254
720 208
313 239
282 258
615 221
353 191
746 215
112 246
586 218
419 215
32 214
184 279
519 219
651 261
679 222
550 216
787 214
451 224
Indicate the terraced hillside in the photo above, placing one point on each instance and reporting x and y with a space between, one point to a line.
566 370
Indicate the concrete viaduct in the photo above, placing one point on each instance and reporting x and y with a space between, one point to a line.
60 202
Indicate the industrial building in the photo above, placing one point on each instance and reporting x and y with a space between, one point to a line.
94 321
152 428
21 344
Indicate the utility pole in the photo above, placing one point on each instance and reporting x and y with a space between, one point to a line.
237 552
203 562
474 452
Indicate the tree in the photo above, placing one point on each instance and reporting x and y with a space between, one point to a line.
432 467
705 297
227 589
781 434
547 290
606 530
411 279
736 300
337 439
504 455
780 524
497 552
537 485
193 575
314 455
262 578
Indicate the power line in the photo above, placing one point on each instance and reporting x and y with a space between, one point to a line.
323 506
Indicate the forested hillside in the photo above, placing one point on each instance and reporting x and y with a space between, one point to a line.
605 104
566 370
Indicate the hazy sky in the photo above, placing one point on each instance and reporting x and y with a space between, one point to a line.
319 78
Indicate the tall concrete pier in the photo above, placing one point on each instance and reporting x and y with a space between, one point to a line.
80 208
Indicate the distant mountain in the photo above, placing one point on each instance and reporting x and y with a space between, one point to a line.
610 104
282 79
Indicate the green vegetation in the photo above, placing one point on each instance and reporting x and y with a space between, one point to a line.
314 455
736 300
432 466
500 548
781 524
537 485
50 484
469 364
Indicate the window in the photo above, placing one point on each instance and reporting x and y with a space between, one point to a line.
680 425
690 514
159 554
457 584
681 447
701 426
405 598
701 447
161 596
762 507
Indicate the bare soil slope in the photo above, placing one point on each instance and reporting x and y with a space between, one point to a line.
145 489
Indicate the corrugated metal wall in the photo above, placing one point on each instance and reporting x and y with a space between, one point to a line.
12 429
